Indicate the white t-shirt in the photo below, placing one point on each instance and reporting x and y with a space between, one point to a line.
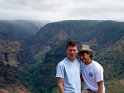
70 71
92 74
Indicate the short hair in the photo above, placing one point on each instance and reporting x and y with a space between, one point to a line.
88 52
71 43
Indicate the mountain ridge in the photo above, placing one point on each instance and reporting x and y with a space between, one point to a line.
105 37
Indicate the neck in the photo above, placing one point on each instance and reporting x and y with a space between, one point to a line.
70 59
88 62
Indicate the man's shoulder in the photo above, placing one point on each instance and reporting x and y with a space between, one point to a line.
77 60
62 62
97 65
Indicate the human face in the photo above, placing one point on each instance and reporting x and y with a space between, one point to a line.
72 52
85 58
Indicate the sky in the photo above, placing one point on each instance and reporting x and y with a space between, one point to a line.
58 10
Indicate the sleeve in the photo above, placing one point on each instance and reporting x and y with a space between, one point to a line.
60 70
99 73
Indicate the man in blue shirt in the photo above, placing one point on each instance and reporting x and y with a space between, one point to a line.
68 71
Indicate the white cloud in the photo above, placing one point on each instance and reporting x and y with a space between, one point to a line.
55 10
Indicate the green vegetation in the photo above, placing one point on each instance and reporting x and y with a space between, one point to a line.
36 69
105 38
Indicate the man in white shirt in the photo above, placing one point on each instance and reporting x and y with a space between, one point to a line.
68 71
91 71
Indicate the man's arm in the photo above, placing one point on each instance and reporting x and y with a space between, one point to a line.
60 85
100 86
